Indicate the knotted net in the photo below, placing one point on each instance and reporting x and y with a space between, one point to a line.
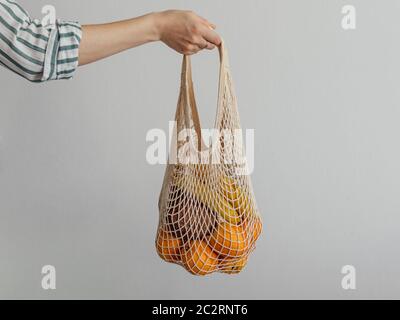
209 221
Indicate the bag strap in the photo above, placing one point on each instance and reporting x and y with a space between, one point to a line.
187 90
189 98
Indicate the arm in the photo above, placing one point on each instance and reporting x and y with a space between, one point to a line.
36 52
41 53
183 31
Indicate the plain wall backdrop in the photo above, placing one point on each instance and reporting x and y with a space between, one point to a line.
76 191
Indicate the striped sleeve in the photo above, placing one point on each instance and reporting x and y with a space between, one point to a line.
36 52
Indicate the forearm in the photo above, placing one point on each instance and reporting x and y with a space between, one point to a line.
104 40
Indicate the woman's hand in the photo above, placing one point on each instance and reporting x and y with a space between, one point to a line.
185 31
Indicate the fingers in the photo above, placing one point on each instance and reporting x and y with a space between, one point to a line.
191 49
203 35
195 48
204 44
212 37
210 46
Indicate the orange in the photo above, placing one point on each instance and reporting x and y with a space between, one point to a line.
257 229
168 247
233 267
199 259
229 240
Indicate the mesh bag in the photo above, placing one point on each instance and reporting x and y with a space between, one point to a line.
209 219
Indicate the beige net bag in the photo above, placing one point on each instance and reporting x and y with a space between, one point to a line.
209 219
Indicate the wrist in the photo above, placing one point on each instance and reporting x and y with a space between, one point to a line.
151 25
157 22
141 30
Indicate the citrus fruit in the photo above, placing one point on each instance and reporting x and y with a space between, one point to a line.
199 259
168 247
229 240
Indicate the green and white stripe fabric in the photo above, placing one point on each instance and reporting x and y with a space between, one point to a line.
36 52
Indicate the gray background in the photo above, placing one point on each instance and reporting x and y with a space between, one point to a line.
76 191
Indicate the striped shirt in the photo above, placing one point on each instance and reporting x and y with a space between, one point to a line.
36 52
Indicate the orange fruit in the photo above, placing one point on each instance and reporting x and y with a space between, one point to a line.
199 259
168 247
234 267
229 240
257 229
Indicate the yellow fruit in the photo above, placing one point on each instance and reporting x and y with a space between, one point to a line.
211 199
237 198
199 259
168 247
188 218
234 267
229 241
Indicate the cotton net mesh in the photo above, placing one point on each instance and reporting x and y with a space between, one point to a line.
209 221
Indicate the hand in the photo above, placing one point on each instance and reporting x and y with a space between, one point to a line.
186 32
183 31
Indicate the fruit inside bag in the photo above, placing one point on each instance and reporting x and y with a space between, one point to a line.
209 221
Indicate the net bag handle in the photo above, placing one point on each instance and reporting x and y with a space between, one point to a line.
187 91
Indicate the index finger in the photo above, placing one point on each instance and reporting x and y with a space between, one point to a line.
212 37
